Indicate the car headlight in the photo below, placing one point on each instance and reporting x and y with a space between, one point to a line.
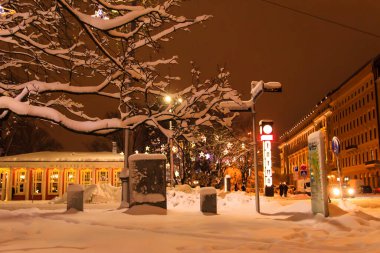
336 191
351 191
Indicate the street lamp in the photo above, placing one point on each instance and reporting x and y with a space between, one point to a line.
168 100
257 88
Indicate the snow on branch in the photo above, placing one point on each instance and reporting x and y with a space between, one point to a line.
54 55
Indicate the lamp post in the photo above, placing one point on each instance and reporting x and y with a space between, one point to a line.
168 100
257 88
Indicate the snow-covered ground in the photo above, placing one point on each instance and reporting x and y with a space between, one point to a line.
284 225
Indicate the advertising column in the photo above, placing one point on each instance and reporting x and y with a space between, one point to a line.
318 178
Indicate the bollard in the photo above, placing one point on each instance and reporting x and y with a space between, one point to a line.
75 197
227 183
208 200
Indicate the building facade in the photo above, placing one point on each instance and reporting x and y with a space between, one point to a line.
351 113
46 175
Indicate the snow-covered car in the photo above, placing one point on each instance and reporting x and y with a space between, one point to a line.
348 191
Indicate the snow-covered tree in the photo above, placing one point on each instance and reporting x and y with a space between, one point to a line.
53 52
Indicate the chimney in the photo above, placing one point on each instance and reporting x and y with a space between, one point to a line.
114 147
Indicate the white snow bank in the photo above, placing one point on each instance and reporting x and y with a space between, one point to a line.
284 225
96 193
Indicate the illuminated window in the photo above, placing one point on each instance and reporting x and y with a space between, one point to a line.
20 180
37 182
102 176
53 181
69 177
86 177
116 178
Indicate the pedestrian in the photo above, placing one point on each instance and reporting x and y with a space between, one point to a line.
285 189
281 189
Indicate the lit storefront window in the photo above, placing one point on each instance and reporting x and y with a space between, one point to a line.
102 176
86 177
20 181
116 178
70 176
37 181
53 181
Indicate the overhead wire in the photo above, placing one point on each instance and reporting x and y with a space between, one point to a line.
322 18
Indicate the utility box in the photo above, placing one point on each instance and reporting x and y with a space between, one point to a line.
208 200
75 197
147 180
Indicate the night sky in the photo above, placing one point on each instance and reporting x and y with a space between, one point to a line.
310 46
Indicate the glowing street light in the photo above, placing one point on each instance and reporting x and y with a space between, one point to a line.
168 99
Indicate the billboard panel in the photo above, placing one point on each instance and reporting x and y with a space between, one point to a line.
318 178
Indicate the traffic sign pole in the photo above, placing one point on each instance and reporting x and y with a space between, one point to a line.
335 146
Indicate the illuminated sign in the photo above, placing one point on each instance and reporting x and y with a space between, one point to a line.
268 137
267 163
266 131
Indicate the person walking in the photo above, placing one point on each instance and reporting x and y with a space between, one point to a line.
285 189
281 189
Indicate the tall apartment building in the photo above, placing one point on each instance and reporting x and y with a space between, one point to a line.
351 113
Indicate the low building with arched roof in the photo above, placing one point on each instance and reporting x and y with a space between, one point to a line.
46 175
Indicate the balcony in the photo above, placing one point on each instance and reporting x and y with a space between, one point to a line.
351 147
372 164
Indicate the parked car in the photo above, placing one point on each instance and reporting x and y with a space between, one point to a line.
291 189
365 189
346 189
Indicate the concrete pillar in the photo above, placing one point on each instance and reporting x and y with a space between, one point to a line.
60 182
44 184
27 183
3 174
93 176
8 189
10 184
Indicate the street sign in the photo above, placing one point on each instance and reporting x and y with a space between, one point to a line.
335 145
303 167
303 173
295 168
